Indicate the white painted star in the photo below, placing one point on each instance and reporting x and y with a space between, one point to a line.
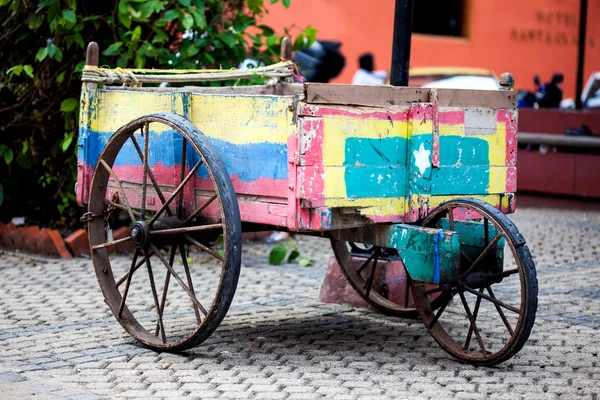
422 159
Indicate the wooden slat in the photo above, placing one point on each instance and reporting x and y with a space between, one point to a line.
280 89
392 96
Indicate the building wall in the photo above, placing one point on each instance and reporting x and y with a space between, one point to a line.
525 37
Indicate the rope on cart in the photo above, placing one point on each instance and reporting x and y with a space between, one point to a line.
136 76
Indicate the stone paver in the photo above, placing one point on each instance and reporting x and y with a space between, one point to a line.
58 339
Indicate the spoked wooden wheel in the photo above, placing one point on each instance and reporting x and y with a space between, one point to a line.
165 174
487 313
384 285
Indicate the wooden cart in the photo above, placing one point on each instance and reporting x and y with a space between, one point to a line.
423 175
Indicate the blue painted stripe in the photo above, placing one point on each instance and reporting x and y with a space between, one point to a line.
249 161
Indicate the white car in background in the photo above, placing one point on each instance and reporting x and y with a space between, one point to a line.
453 78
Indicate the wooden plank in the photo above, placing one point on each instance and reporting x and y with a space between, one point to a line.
280 89
392 96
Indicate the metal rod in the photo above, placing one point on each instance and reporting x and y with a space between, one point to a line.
581 52
403 18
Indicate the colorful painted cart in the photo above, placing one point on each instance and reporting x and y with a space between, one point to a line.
422 175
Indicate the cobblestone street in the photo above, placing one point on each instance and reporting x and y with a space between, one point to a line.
58 340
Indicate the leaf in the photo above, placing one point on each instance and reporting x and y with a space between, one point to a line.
304 262
69 104
286 3
187 21
185 3
55 52
199 18
299 42
255 6
8 156
311 35
136 34
28 70
25 147
41 54
61 77
113 49
67 142
24 161
4 2
277 254
229 39
35 21
266 30
69 15
16 70
170 15
293 255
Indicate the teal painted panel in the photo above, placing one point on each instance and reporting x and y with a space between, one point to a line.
464 166
362 182
471 236
461 150
419 155
460 180
416 248
375 152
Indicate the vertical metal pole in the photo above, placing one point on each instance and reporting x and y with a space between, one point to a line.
581 53
403 18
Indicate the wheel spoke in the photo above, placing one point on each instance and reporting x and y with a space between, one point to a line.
486 233
472 320
154 295
438 314
500 312
150 174
145 172
475 312
199 210
483 254
372 276
187 229
492 299
431 291
179 207
120 188
121 207
189 279
112 243
129 276
366 262
504 274
138 265
163 300
451 218
178 279
204 248
176 192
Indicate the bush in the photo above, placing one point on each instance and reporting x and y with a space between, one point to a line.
42 45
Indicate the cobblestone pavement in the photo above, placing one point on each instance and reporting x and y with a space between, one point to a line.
58 340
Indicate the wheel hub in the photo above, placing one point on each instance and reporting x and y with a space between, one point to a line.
140 234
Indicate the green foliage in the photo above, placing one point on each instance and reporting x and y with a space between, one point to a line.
42 47
281 251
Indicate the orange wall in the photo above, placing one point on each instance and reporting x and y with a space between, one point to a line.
525 37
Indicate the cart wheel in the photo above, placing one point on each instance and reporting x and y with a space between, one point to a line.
360 264
133 174
487 313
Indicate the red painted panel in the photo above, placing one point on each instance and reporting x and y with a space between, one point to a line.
587 175
556 121
549 173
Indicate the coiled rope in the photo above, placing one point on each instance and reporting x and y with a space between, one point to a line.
136 76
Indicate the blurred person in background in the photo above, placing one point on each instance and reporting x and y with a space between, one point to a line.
365 74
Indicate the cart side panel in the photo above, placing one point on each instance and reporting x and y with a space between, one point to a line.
353 160
477 156
250 133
